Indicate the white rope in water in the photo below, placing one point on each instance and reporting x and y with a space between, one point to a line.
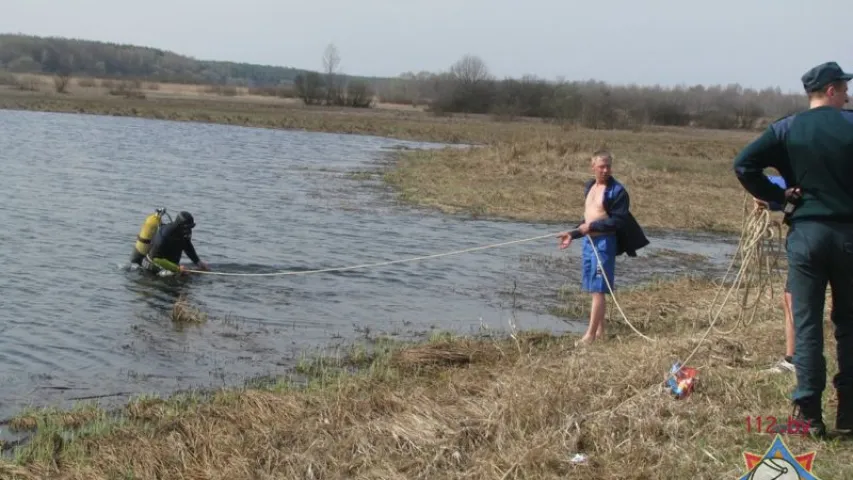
754 230
370 265
424 257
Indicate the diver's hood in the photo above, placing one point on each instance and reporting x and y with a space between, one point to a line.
185 222
185 219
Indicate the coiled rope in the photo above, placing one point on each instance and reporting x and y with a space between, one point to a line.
757 264
758 256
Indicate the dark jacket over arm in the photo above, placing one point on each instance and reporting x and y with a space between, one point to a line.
630 236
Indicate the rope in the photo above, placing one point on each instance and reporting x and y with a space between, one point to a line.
424 257
369 265
758 258
755 230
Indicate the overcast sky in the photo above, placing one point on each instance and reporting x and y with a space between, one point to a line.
756 43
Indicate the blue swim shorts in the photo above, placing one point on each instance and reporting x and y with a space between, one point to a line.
592 280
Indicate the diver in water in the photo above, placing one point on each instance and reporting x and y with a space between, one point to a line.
170 242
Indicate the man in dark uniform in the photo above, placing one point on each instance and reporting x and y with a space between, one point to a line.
171 241
814 149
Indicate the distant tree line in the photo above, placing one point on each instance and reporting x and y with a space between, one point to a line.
50 55
466 87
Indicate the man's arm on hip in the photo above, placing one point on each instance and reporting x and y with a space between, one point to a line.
766 151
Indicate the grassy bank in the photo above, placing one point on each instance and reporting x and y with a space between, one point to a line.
677 179
518 407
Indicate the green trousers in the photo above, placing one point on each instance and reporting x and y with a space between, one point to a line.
820 253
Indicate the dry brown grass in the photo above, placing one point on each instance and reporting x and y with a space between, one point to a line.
519 407
446 353
677 179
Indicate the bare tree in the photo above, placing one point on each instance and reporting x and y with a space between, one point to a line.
63 74
470 69
331 61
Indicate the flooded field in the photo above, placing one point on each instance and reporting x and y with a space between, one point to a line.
77 323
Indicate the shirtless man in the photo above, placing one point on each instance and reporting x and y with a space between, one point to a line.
609 225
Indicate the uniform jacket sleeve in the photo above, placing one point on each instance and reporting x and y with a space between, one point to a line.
768 150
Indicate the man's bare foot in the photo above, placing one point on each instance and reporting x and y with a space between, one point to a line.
585 340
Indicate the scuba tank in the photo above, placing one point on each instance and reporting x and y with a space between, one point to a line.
146 234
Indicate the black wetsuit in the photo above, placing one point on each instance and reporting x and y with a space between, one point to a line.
171 241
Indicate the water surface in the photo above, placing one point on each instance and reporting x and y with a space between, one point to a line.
76 323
